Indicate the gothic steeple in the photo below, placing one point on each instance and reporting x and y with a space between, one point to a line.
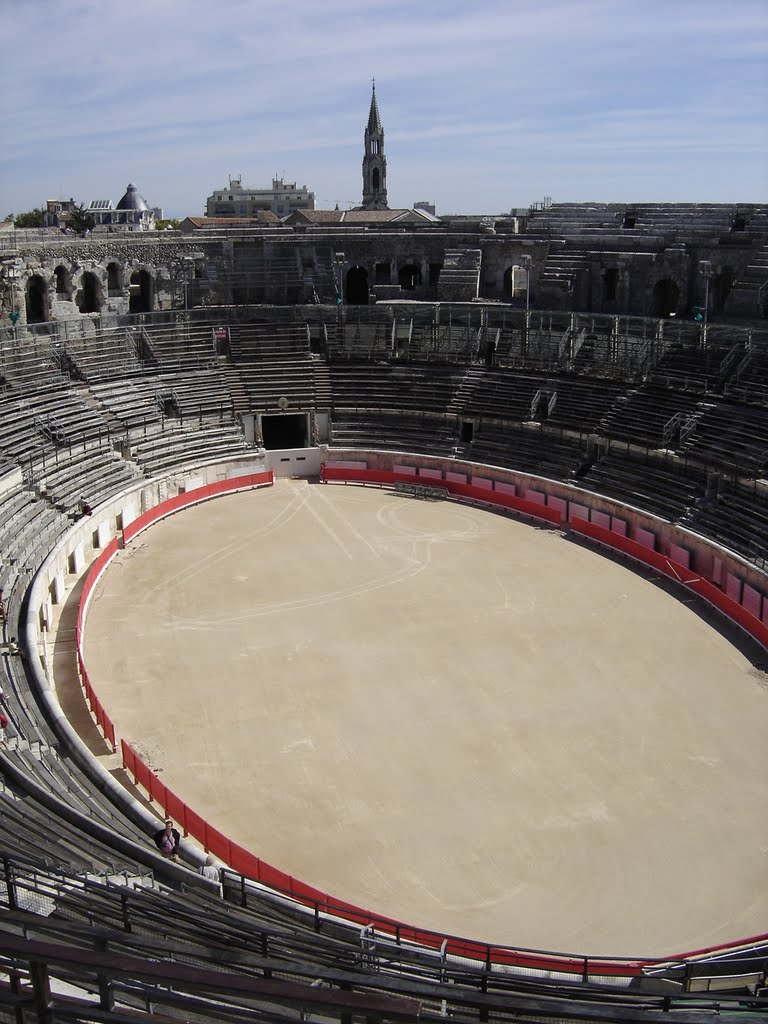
374 161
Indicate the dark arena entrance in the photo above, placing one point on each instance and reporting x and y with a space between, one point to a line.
357 287
285 430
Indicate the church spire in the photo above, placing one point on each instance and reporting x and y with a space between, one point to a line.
374 161
374 121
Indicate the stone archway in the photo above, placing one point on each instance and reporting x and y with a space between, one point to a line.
89 295
666 297
610 284
141 292
509 282
515 282
356 291
36 300
114 280
63 283
720 290
409 277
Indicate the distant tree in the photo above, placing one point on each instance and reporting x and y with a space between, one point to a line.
30 219
8 218
172 222
79 220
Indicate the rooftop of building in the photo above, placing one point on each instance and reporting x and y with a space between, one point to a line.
132 200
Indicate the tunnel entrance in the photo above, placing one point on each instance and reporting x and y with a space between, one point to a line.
357 287
284 431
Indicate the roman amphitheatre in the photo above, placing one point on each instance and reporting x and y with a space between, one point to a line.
482 740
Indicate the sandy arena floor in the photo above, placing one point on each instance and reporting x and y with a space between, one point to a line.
445 715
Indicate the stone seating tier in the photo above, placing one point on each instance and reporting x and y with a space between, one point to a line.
661 491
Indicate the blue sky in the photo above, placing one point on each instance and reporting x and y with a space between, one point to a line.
486 104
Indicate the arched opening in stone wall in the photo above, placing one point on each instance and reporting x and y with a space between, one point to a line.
515 282
141 292
36 300
666 296
721 289
610 284
114 280
88 298
509 282
375 179
409 277
63 283
356 292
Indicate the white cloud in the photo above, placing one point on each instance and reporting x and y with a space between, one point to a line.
177 93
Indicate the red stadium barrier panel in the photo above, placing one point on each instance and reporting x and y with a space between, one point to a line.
176 808
129 759
196 826
482 491
217 843
143 775
244 862
273 877
156 789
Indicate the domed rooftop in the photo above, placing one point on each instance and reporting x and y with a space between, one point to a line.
132 200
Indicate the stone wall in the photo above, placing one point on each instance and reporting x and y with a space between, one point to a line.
582 259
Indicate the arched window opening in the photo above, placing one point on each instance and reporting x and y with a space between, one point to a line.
721 289
375 179
88 297
114 280
515 282
409 277
356 291
666 296
140 290
63 283
35 300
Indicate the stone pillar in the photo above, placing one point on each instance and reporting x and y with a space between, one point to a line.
78 559
128 514
249 432
103 535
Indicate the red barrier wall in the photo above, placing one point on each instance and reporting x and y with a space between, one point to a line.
727 605
470 492
194 497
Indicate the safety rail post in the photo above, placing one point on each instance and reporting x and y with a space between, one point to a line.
41 990
106 996
9 886
127 926
483 1015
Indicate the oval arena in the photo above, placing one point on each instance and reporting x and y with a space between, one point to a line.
442 714
440 621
